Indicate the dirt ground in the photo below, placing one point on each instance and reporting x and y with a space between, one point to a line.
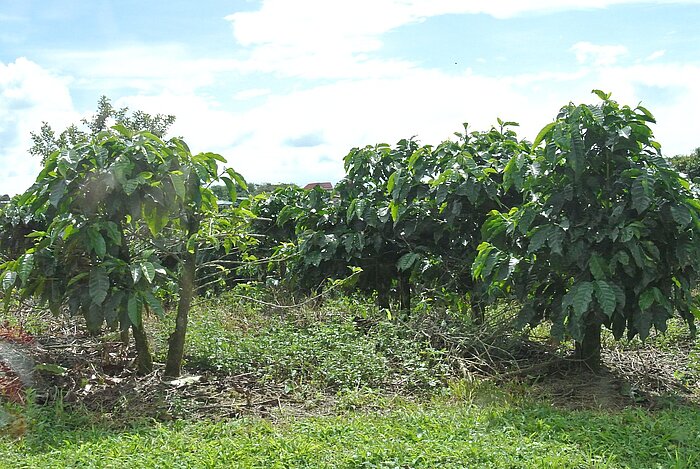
89 372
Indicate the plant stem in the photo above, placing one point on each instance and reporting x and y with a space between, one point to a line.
588 350
176 341
144 359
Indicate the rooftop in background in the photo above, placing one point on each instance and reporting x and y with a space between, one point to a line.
323 185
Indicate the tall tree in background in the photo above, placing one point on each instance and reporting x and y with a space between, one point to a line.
688 164
45 141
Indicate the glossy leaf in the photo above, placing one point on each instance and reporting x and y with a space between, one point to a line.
99 285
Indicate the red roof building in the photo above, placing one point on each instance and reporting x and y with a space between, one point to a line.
323 185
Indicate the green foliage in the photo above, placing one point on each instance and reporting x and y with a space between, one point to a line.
17 222
357 228
312 355
688 164
609 233
445 195
409 216
45 142
109 199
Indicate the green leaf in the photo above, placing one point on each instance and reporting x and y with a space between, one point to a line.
646 299
556 239
97 242
598 267
540 136
230 188
238 178
51 368
577 155
57 193
26 265
136 272
681 215
605 294
485 252
133 309
406 261
640 199
111 306
178 181
113 232
149 271
153 303
156 218
8 279
36 234
350 212
77 278
394 211
130 186
602 95
539 237
390 183
642 323
98 285
582 296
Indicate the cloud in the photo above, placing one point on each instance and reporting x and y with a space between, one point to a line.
320 39
313 139
598 55
29 94
279 130
251 93
145 68
655 55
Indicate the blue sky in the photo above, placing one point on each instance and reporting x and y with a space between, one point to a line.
284 89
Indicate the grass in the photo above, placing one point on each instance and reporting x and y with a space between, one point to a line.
391 401
310 350
441 433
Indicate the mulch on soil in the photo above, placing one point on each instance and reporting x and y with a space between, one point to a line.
97 374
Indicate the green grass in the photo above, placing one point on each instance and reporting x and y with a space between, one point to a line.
389 400
441 433
309 350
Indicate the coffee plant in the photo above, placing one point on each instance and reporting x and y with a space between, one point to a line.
608 234
113 199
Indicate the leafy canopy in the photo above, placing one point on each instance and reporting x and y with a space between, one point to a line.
110 199
609 233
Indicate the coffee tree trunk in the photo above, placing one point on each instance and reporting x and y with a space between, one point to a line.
176 341
588 349
405 293
477 306
144 359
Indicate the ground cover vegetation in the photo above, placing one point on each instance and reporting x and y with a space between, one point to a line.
479 302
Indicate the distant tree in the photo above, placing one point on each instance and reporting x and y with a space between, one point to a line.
266 187
46 142
221 192
688 164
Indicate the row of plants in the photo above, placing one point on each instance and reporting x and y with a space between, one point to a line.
588 226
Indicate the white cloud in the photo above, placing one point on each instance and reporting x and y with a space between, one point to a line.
655 55
144 68
29 94
326 39
362 99
598 55
251 93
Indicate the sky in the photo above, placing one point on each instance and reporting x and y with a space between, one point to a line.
285 89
